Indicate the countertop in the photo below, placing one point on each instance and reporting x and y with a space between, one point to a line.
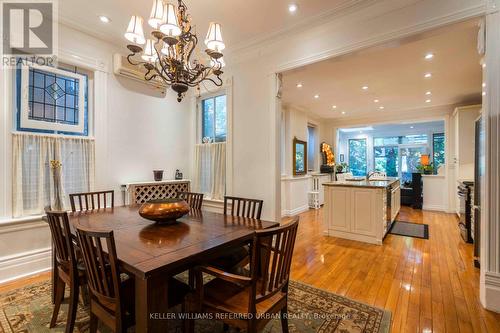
364 183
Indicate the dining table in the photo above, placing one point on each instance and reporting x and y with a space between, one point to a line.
153 252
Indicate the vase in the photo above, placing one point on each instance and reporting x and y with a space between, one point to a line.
158 175
57 190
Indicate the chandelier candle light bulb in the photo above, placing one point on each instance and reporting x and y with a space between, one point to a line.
174 37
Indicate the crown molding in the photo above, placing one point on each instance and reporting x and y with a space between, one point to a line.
437 22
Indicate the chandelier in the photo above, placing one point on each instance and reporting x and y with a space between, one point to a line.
166 56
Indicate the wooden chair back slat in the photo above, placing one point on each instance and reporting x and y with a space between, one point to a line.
194 200
87 200
101 264
61 237
243 207
271 259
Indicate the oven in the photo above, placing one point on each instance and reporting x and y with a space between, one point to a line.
465 223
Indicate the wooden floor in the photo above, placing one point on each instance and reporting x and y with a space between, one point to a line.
428 285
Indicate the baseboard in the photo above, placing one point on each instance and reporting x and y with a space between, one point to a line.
491 297
437 208
24 264
295 211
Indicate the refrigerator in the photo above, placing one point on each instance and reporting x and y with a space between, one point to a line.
479 169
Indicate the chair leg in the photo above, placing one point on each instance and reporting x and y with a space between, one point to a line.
85 294
284 319
58 290
93 323
191 277
225 327
252 326
73 306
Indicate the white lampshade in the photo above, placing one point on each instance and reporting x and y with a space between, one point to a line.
219 61
170 26
135 32
157 14
149 54
214 38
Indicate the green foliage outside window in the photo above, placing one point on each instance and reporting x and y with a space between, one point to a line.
357 157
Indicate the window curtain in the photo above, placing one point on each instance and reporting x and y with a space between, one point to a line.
210 170
33 182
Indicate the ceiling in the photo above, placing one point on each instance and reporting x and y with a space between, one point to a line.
242 21
394 75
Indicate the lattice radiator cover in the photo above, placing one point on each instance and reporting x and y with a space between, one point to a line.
143 193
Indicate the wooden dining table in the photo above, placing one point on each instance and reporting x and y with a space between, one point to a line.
153 252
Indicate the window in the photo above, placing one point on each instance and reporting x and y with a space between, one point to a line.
410 160
414 139
388 141
357 156
438 144
210 156
214 119
52 100
386 160
311 147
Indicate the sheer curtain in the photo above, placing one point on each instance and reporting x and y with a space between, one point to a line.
32 179
210 170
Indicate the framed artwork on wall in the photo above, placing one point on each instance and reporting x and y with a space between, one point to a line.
299 157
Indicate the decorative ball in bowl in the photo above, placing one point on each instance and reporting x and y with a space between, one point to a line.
164 211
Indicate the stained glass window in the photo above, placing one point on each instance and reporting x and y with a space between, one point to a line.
53 97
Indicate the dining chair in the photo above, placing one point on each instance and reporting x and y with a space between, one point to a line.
91 200
261 293
112 295
242 207
195 200
69 271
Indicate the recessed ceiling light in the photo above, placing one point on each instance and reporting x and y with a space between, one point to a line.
316 96
484 93
429 56
292 8
484 65
427 101
360 132
412 127
428 75
428 93
104 19
484 84
364 87
376 100
381 107
299 85
343 112
334 106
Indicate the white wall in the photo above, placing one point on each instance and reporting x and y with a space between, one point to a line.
136 130
256 117
294 189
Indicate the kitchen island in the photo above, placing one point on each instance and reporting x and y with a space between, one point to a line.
361 210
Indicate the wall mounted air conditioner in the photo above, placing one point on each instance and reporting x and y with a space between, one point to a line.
123 68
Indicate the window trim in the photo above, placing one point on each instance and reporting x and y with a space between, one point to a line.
227 88
27 123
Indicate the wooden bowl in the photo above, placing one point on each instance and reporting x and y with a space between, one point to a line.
164 211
